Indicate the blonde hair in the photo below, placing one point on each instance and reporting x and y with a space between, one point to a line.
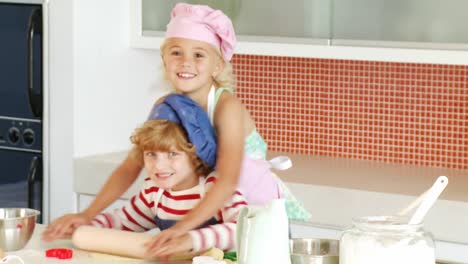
164 135
224 79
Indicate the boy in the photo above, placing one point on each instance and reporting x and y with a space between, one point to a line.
177 150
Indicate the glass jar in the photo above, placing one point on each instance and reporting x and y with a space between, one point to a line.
386 240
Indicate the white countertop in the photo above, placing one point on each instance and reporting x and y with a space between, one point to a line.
373 176
335 190
34 253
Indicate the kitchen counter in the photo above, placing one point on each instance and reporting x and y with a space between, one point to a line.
373 176
34 253
335 190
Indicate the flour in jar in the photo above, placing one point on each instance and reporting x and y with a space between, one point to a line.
365 250
386 240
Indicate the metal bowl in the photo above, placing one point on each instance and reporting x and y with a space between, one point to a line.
16 227
314 251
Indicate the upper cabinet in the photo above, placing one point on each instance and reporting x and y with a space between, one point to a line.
327 28
265 18
401 23
268 26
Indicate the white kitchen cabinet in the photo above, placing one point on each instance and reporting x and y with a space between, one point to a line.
416 23
325 29
304 230
305 18
84 200
258 29
405 23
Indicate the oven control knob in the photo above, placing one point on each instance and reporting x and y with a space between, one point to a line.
14 135
28 137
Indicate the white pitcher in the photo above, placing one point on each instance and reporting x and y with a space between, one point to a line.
263 234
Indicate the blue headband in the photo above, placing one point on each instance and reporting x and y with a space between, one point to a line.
187 113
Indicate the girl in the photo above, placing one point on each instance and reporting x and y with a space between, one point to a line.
196 53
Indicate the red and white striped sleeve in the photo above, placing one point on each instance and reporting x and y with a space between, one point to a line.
137 215
221 235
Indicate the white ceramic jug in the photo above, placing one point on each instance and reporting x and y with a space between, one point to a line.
263 234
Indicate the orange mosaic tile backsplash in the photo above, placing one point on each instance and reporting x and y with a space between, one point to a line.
385 111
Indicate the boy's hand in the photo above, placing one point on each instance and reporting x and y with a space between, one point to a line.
64 226
176 244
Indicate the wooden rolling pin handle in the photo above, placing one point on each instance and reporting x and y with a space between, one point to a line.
110 241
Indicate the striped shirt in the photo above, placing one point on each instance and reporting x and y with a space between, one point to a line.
142 210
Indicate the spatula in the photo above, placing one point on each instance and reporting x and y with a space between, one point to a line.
425 201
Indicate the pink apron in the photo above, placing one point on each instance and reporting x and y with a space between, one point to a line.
258 183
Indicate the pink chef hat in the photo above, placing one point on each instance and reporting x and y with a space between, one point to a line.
201 22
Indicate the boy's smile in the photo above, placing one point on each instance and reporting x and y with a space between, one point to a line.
163 175
170 170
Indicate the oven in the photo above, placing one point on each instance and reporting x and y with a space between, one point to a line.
21 105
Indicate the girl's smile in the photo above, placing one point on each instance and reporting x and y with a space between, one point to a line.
191 65
185 75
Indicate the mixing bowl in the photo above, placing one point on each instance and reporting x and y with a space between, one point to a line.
314 251
16 227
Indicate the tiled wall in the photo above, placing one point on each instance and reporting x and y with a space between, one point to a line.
393 112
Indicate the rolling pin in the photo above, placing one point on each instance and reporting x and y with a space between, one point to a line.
117 242
110 241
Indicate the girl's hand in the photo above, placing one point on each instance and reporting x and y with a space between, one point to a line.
64 226
167 242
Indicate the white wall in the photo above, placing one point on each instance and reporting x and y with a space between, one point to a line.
115 85
99 89
58 112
